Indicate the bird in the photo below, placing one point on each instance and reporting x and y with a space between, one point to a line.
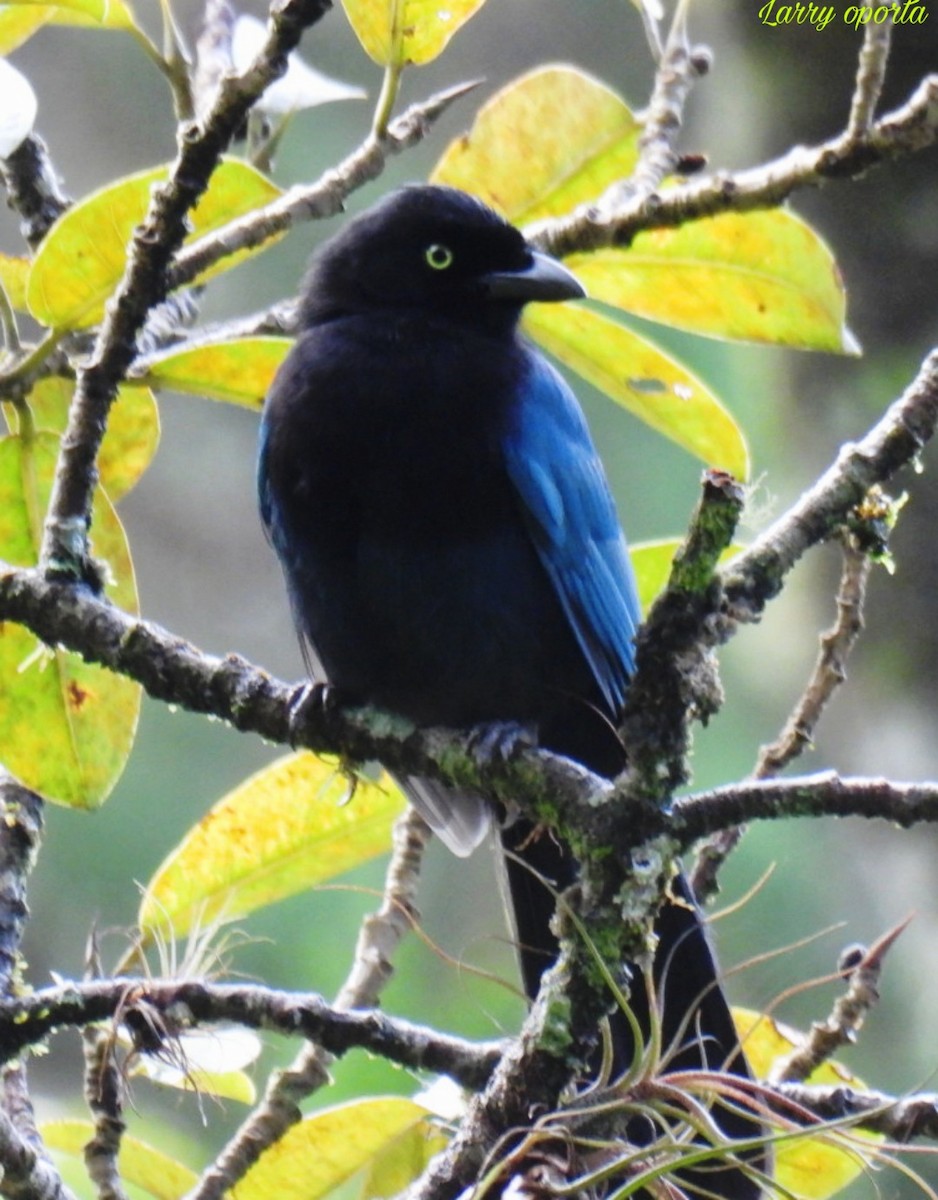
453 553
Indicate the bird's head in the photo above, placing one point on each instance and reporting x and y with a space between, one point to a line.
435 250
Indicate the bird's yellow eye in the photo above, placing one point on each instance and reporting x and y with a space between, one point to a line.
438 256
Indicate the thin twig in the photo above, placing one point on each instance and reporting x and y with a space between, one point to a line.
828 674
871 75
822 794
371 969
318 200
906 130
104 1097
899 1118
846 1018
27 1175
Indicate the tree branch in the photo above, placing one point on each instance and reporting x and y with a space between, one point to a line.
907 130
824 794
64 549
181 1004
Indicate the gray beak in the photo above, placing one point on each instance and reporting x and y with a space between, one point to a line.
544 279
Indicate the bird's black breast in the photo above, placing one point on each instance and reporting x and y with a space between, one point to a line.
408 560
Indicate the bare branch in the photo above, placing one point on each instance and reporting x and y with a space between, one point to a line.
26 1174
757 575
144 285
318 200
824 794
26 1020
907 130
848 1014
104 1096
901 1119
871 74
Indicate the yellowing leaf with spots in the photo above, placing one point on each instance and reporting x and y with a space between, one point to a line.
329 1147
133 430
289 827
82 258
756 276
398 32
551 140
642 378
66 726
816 1165
139 1164
240 371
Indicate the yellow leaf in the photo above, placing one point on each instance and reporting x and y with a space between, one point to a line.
642 378
285 829
18 23
82 258
66 726
404 1160
757 276
240 371
327 1148
133 430
13 275
573 135
398 32
814 1166
97 10
152 1170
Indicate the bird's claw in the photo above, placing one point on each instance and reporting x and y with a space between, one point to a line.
500 740
308 701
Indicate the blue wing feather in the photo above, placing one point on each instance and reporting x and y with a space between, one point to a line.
559 478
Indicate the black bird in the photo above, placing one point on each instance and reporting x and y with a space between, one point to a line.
451 547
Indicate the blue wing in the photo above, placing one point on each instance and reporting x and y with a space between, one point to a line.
554 466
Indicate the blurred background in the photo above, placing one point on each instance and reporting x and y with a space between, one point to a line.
205 572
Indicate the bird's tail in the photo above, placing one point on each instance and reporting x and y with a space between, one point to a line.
697 1030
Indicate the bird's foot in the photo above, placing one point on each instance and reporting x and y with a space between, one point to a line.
310 701
500 740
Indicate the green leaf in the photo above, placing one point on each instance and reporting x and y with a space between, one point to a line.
816 1165
13 275
82 258
287 828
66 726
643 379
757 276
240 371
574 136
133 430
397 32
329 1147
152 1170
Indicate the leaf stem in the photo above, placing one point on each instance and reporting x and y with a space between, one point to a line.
390 86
